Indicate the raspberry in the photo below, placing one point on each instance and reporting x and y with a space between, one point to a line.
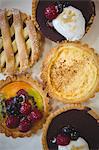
35 115
24 125
62 140
25 108
12 122
51 12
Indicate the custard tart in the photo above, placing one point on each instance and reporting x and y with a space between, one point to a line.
65 129
70 72
63 19
20 42
24 106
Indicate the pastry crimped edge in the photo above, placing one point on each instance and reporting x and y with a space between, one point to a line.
45 71
59 111
28 79
39 44
34 7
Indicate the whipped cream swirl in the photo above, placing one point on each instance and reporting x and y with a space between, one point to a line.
70 23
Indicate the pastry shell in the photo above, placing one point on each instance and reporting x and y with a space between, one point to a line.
46 75
14 132
59 111
21 44
34 7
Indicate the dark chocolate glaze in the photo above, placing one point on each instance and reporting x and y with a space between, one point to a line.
86 6
81 121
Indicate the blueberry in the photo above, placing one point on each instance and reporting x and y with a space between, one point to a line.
53 140
53 144
74 135
67 130
15 100
66 4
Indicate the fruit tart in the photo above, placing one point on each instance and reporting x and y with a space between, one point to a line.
23 106
70 72
63 19
71 128
20 42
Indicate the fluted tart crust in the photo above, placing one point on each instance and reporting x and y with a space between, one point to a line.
66 110
70 72
8 89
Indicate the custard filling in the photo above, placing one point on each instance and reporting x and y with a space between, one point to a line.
72 72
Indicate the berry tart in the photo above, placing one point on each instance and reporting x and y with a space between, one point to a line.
20 42
70 72
63 19
71 128
23 106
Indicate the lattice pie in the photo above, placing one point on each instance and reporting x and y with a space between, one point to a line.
20 42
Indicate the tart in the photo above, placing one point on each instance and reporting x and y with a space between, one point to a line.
63 19
70 72
65 129
20 42
23 106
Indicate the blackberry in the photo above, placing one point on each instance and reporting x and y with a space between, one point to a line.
67 130
13 109
74 135
59 6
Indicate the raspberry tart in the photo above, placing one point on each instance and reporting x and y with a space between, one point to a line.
20 42
70 72
63 19
65 129
23 106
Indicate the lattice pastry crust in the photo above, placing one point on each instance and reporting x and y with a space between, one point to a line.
20 42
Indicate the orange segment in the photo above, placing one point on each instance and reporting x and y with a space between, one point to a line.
11 89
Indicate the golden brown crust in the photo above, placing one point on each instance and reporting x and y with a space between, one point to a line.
28 79
17 53
9 55
20 42
45 71
53 115
34 7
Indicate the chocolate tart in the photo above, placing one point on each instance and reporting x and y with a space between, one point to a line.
38 6
70 72
20 42
81 118
36 99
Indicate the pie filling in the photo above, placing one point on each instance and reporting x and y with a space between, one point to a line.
67 131
21 106
72 73
52 25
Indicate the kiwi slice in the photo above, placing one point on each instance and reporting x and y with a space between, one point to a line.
2 107
37 98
